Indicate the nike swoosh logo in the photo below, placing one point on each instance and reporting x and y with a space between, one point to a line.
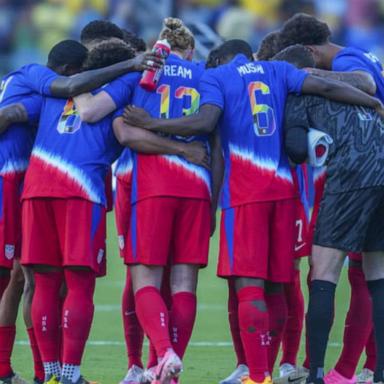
297 247
296 379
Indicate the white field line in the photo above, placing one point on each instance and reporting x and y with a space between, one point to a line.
198 344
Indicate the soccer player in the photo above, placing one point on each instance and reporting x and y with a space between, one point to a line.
345 228
360 68
269 46
253 188
99 30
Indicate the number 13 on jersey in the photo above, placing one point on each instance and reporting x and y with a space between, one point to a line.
264 122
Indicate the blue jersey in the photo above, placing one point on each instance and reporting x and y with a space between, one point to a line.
16 142
177 95
71 158
252 98
354 59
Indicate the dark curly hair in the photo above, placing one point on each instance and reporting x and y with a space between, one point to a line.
298 55
212 59
269 46
304 29
108 52
100 30
137 43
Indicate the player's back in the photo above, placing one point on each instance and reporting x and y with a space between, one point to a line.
17 141
70 158
177 95
355 59
356 157
252 97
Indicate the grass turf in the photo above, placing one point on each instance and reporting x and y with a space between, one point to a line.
209 358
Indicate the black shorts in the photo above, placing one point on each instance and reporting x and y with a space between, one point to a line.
352 221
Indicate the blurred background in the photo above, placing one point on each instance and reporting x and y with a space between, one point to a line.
29 28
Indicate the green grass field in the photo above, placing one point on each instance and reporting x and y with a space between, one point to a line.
210 356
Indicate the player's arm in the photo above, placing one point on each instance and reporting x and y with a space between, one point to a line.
341 92
200 123
358 79
92 108
13 113
143 141
87 81
217 169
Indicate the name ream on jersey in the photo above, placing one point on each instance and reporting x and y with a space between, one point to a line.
250 68
177 71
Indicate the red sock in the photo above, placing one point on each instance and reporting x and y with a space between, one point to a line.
182 320
233 318
152 355
4 280
294 325
7 337
358 324
78 311
253 320
133 333
370 350
278 313
153 316
45 314
38 364
306 360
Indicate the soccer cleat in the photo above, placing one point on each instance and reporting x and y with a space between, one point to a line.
365 376
37 381
235 377
169 368
248 380
13 379
334 377
289 374
80 381
52 380
149 375
134 375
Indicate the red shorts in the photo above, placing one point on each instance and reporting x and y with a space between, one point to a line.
122 212
169 230
257 240
64 232
10 218
303 244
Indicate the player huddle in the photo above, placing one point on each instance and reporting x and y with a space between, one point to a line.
241 130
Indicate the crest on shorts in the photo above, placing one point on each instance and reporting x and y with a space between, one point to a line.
9 251
100 256
121 242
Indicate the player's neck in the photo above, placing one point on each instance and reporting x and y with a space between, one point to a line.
178 54
332 51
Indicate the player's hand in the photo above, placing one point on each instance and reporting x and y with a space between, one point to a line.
138 117
196 153
146 61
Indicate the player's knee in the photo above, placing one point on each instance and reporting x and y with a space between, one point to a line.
184 278
373 265
326 264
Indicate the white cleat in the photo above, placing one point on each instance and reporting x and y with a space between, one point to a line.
168 368
14 379
365 376
235 377
149 375
133 376
290 374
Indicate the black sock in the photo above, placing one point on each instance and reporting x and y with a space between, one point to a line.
319 322
376 289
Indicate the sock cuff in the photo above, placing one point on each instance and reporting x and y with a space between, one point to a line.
251 293
8 328
322 285
185 295
146 290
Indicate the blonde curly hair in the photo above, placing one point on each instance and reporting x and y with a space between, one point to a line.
177 34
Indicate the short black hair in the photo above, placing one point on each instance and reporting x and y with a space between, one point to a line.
67 52
100 30
304 29
136 42
108 52
212 59
234 47
298 55
269 46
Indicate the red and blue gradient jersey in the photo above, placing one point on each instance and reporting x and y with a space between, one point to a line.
124 166
353 59
252 98
17 141
177 95
71 158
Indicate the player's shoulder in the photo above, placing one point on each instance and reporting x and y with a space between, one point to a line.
131 77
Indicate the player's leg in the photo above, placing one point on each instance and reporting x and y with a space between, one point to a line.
357 325
9 306
373 264
366 375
